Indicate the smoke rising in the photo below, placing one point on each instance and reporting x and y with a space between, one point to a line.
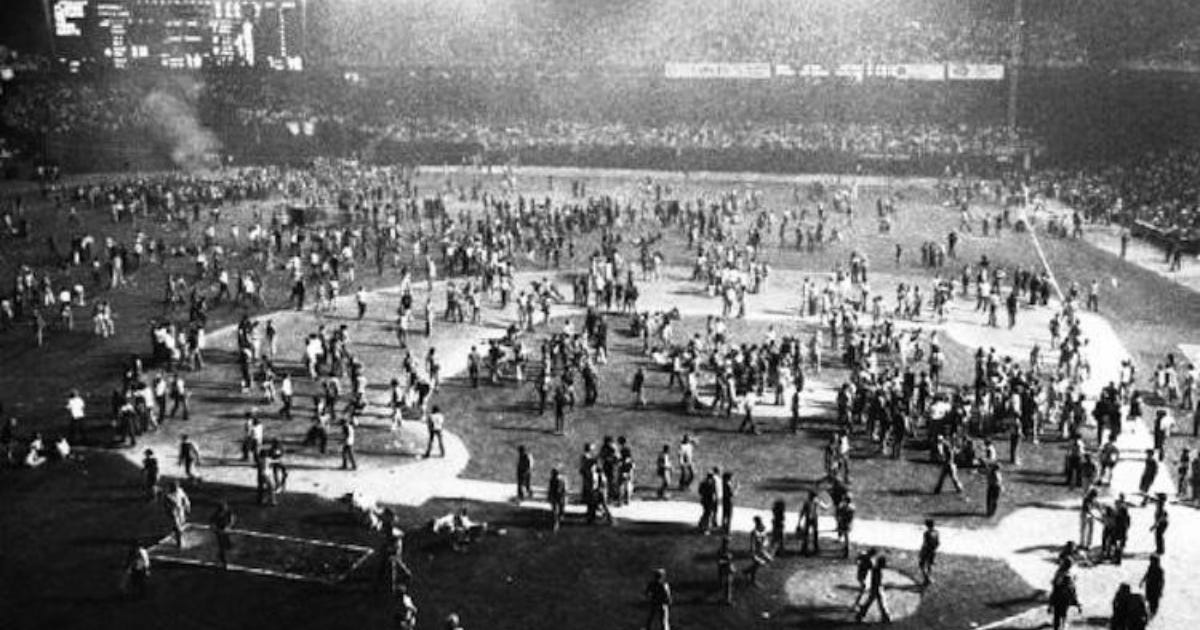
174 122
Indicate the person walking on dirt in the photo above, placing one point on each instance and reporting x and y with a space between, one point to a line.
177 506
876 593
189 457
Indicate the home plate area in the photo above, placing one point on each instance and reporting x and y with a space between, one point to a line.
261 553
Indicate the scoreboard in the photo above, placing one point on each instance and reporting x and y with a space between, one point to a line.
181 33
68 16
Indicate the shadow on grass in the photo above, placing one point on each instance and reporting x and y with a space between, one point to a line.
1033 599
907 492
653 529
231 399
1046 505
378 344
519 408
954 514
788 484
1040 473
1037 548
1036 481
818 617
513 428
729 429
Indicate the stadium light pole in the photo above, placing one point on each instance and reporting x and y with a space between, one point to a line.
303 5
48 17
1014 66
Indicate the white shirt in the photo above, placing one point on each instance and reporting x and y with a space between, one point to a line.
686 450
436 421
141 561
75 406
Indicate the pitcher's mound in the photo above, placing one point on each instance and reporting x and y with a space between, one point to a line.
829 592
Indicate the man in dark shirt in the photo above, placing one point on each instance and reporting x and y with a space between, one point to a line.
560 409
524 473
189 457
222 523
556 494
862 572
930 541
708 502
1120 534
725 572
658 591
150 475
995 486
875 592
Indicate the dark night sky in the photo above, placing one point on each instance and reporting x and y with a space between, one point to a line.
22 25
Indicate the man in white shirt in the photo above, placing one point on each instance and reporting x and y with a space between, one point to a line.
160 389
1163 424
286 391
75 407
138 571
435 422
360 300
687 454
178 507
348 460
253 438
179 396
749 400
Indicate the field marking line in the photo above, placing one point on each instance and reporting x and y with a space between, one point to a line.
244 569
355 565
362 552
261 534
1037 245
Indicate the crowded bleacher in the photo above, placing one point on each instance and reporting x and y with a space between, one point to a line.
1159 190
115 111
479 87
636 34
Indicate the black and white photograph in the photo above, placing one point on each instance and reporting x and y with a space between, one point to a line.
599 314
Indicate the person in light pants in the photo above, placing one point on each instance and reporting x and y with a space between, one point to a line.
658 591
1088 514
